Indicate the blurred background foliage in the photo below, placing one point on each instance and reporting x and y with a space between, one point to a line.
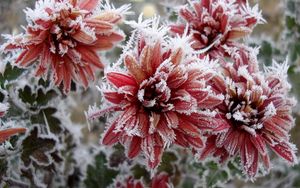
54 152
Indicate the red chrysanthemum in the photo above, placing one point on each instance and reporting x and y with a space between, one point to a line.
257 112
216 24
159 97
64 37
5 133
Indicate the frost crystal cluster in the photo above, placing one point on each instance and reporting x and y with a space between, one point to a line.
186 99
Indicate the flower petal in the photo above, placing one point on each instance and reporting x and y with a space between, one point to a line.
120 79
88 5
5 134
134 147
110 137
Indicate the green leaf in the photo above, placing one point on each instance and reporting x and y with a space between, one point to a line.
168 162
290 22
118 156
48 115
266 52
36 98
37 148
99 175
10 74
3 168
214 174
139 172
188 182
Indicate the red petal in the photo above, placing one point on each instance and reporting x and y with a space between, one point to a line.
5 134
176 56
211 101
259 143
145 60
156 56
160 181
45 61
110 136
157 157
210 147
177 78
83 76
29 55
181 139
83 37
90 56
188 128
238 33
113 97
285 151
113 37
88 5
172 119
99 26
134 147
143 123
252 170
179 29
109 16
120 79
135 69
102 44
196 142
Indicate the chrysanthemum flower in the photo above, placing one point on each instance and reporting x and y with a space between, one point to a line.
5 133
217 23
257 112
159 96
63 37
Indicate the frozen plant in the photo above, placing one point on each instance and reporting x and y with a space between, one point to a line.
63 37
257 114
158 97
217 23
190 101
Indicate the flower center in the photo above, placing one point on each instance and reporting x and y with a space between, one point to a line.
208 31
154 94
64 26
243 114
